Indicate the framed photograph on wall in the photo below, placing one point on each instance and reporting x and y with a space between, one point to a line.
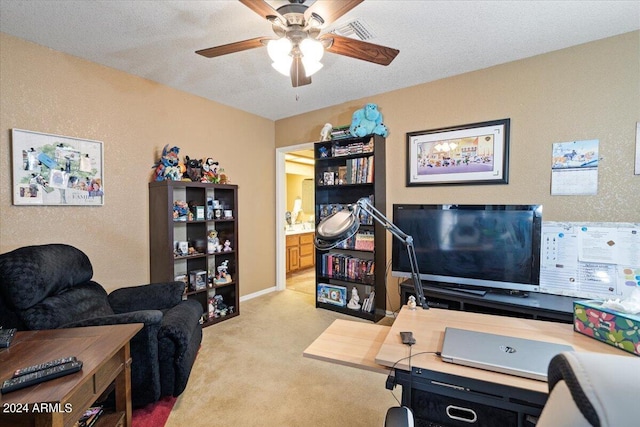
56 170
476 153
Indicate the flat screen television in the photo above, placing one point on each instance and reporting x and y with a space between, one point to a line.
474 247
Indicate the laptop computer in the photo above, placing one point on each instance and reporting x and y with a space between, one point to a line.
508 355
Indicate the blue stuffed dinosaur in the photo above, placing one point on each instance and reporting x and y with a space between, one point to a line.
367 121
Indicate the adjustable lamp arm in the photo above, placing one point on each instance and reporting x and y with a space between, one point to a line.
365 205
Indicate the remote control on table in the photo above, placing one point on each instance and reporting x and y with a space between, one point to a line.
41 366
407 338
6 336
37 377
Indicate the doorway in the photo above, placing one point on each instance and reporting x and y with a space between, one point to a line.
295 222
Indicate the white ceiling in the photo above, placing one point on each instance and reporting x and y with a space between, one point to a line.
157 40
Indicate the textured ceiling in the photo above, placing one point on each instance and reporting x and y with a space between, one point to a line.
157 40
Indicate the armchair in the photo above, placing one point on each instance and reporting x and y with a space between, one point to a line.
50 286
591 389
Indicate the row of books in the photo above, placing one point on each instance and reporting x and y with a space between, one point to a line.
361 241
350 149
360 170
324 210
341 132
355 171
346 267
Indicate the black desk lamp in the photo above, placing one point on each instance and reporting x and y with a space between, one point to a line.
344 224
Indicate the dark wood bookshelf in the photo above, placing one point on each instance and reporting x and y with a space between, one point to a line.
333 160
165 232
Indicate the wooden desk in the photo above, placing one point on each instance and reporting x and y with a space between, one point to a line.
104 351
502 396
428 329
350 343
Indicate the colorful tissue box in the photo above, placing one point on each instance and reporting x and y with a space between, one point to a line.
618 329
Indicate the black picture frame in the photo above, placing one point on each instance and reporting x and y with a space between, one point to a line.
475 153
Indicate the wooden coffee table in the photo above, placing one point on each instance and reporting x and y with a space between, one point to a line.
104 351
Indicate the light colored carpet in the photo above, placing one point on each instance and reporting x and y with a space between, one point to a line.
250 372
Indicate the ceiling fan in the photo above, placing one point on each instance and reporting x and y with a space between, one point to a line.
299 46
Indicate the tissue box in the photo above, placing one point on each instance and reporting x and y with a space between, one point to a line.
618 329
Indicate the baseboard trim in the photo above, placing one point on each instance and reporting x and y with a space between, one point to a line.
274 289
258 294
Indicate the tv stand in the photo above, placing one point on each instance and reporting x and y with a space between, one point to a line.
538 306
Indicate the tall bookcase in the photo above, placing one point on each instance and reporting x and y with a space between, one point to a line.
345 171
181 250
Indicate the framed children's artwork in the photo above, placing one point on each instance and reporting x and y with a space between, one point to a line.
476 153
56 170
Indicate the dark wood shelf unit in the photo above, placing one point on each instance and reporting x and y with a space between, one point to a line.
165 232
349 193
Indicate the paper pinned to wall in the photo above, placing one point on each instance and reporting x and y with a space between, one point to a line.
574 169
590 260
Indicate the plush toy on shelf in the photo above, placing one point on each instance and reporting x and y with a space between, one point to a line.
210 170
168 166
367 121
194 169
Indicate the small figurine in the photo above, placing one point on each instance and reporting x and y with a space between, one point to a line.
325 133
354 302
213 243
211 308
412 302
223 275
223 178
227 246
220 307
180 210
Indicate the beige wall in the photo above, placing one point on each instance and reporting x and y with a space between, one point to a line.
47 91
590 91
584 92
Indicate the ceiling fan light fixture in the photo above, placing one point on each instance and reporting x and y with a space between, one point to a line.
311 49
279 50
311 67
283 66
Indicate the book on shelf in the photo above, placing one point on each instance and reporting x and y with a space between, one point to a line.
359 170
351 148
324 210
347 267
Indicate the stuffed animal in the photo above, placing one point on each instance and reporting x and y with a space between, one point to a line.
210 171
167 167
367 121
194 169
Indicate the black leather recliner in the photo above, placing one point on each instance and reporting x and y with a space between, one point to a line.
49 287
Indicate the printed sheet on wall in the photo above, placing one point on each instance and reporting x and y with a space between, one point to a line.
590 260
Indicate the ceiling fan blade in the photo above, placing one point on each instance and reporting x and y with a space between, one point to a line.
331 10
298 74
263 9
224 49
360 50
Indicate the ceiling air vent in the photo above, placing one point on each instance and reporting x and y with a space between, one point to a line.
356 29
